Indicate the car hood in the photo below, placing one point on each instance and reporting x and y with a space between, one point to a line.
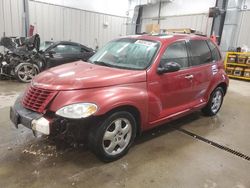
83 75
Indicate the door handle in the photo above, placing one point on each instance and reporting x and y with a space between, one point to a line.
189 76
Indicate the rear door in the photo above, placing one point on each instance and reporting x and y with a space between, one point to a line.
203 66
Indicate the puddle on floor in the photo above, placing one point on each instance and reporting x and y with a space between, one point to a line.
8 99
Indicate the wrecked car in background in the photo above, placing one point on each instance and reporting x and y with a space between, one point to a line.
22 60
58 53
25 57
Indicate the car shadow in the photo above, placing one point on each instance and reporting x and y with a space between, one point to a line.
167 127
64 145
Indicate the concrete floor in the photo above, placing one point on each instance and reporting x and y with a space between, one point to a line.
163 157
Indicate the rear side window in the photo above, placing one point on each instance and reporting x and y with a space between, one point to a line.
176 52
200 52
214 50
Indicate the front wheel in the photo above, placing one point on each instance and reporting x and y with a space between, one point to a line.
25 72
112 139
214 104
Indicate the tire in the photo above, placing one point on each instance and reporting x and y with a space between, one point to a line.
215 101
25 72
112 139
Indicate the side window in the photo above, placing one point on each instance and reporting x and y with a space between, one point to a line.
74 49
215 52
83 50
176 52
59 49
200 52
67 49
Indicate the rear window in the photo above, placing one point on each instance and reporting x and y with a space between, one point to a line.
200 52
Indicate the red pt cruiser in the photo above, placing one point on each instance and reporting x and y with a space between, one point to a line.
130 85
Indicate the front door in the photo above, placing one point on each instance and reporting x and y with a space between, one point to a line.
171 93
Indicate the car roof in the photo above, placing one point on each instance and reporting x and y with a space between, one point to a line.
67 42
167 37
72 43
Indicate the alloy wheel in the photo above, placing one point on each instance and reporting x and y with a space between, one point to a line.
216 101
27 72
117 136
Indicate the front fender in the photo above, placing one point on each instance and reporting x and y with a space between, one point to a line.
107 98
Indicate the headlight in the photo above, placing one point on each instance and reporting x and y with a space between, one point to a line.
77 111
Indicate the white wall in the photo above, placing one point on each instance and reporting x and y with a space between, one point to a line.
11 12
61 23
180 14
246 5
11 17
114 7
244 26
179 7
242 37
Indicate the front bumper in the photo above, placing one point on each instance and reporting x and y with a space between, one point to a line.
51 124
28 118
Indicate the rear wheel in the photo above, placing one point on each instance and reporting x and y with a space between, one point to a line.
112 139
25 72
214 104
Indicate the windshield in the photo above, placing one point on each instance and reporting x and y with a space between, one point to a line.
45 45
126 53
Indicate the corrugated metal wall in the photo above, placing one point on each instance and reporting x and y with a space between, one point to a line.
62 23
11 17
11 12
199 22
179 14
244 28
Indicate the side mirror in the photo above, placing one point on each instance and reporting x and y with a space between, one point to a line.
51 53
168 67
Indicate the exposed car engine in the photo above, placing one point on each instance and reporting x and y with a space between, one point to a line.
22 60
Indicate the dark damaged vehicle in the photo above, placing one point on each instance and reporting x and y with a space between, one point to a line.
22 59
58 53
25 57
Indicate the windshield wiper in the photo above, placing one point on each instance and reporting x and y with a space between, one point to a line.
102 63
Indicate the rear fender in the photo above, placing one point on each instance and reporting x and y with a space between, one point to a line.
218 78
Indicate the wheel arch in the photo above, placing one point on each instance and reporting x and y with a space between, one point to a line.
131 109
224 86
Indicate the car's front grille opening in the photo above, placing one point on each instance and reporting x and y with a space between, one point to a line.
37 99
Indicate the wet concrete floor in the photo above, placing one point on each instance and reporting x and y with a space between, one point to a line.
163 157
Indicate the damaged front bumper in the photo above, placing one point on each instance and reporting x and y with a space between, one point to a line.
32 120
51 124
